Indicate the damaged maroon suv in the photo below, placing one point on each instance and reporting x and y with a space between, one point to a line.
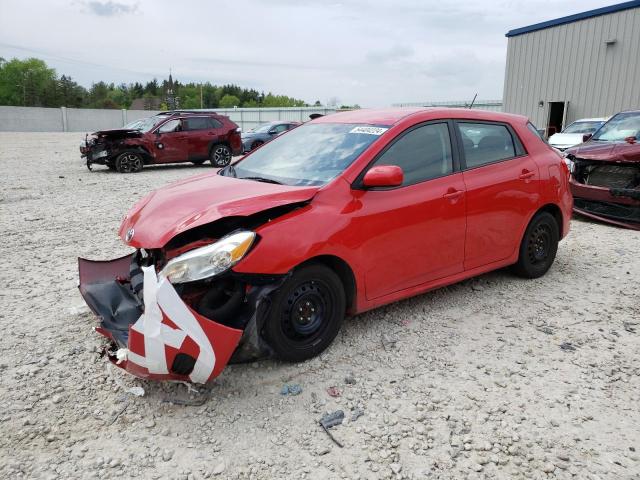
605 172
169 137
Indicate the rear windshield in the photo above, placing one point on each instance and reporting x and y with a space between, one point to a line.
312 154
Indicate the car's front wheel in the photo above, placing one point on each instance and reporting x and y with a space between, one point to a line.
220 155
306 313
538 247
129 162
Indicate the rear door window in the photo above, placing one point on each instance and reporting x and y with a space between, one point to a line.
197 123
485 143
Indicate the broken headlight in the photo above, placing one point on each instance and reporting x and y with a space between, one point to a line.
205 262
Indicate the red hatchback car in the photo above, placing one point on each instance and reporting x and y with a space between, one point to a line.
340 215
169 137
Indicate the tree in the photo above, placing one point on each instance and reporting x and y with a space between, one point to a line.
27 82
229 101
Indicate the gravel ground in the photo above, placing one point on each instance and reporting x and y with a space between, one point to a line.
495 377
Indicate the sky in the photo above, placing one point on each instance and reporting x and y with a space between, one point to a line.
367 52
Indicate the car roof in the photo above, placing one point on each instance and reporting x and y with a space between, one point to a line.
391 116
188 113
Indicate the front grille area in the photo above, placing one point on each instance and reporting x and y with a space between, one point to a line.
608 175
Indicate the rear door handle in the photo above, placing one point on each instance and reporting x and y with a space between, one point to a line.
526 175
453 194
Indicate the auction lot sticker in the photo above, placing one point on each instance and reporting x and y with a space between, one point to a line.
369 130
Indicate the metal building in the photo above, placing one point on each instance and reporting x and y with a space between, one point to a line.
580 66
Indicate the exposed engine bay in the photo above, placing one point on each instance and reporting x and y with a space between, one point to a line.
226 312
607 190
103 147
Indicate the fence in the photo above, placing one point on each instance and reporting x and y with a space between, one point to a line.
492 105
36 119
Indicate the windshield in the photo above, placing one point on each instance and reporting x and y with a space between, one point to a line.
619 127
583 127
312 154
264 128
144 124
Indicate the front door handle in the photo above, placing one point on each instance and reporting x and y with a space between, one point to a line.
526 174
453 194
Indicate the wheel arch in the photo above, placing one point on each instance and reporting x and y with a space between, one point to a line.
344 272
146 154
554 210
213 143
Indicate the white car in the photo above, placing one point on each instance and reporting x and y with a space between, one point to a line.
575 132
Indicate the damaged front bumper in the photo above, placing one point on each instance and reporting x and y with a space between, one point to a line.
155 331
620 207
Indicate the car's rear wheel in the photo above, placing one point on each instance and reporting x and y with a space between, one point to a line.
306 313
539 246
129 162
256 144
220 155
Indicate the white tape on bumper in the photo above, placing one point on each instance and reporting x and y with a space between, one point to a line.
160 296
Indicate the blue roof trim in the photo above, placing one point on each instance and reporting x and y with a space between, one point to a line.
574 18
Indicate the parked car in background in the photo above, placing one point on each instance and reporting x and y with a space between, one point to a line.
264 133
575 133
169 137
341 215
605 172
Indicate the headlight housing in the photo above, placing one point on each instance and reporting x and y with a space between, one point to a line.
205 262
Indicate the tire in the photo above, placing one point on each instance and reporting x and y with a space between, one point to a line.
306 313
220 155
198 162
538 247
129 162
256 144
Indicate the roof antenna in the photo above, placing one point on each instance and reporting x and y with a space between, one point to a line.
473 101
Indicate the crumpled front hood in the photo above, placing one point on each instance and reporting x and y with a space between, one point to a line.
199 200
118 133
607 151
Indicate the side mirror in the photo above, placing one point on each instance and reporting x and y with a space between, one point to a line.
273 132
158 133
586 136
383 176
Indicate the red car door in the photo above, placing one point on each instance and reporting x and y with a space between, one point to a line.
502 184
414 233
171 143
200 133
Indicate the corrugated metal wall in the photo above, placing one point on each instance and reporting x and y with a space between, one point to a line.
573 63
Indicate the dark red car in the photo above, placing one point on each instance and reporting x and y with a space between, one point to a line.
169 137
605 178
338 216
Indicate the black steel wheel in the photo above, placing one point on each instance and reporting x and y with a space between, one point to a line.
539 246
306 313
220 155
129 162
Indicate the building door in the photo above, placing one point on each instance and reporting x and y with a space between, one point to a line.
557 117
